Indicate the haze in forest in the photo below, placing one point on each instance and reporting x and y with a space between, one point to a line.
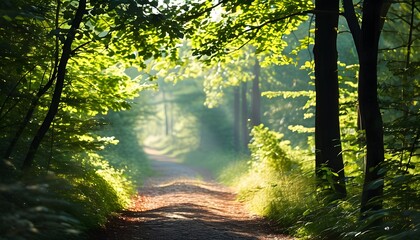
308 110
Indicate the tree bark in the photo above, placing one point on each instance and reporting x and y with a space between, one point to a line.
327 126
42 90
244 118
256 96
236 119
56 99
369 106
353 23
165 110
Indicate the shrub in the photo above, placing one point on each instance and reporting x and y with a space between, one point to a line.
76 195
275 185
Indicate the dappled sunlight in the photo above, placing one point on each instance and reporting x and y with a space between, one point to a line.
176 205
189 221
194 191
131 113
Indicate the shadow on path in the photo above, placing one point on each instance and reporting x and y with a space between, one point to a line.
176 205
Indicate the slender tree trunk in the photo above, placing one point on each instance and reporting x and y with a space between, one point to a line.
171 114
42 90
236 119
165 111
256 96
21 128
56 99
244 118
356 32
327 126
369 106
366 41
353 23
27 118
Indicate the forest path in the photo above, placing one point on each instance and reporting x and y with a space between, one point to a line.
177 205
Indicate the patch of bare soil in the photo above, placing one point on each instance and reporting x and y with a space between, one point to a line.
176 205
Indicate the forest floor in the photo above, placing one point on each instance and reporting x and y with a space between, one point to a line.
183 203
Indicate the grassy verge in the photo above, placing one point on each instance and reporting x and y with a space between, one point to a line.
74 196
277 182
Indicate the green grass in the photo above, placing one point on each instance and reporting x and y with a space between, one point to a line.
224 166
232 173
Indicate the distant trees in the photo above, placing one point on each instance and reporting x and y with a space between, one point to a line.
59 35
236 117
264 24
62 68
270 18
256 95
244 116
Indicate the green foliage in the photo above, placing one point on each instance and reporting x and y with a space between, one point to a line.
233 169
331 221
291 198
281 198
34 211
174 126
72 197
268 152
83 185
234 24
274 185
95 186
76 184
128 153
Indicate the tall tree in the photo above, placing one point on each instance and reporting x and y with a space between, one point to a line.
114 28
166 110
366 39
42 89
369 106
59 85
327 127
244 117
236 117
256 95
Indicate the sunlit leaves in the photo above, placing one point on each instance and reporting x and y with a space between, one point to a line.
305 43
268 151
260 23
301 129
289 94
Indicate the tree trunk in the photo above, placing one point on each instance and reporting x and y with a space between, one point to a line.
28 116
21 128
244 118
256 96
42 90
369 106
236 119
61 73
165 110
171 114
327 126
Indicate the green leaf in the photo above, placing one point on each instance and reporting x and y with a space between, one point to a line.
375 184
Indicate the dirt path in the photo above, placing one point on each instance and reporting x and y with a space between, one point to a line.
176 205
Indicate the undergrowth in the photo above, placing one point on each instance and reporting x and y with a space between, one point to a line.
278 186
73 196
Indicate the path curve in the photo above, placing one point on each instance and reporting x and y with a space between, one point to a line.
179 203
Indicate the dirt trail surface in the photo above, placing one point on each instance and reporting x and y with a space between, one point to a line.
176 205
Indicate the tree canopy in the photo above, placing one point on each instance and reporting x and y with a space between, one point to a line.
319 97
